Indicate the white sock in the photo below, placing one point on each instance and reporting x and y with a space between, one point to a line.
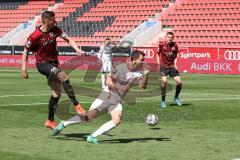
104 128
73 120
103 80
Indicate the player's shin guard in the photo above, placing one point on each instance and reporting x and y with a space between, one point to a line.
75 119
178 89
70 92
103 80
52 107
104 128
163 92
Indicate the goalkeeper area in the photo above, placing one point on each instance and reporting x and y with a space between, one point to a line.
205 127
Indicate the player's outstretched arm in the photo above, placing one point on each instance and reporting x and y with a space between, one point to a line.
73 44
175 60
144 80
158 63
24 63
175 63
100 53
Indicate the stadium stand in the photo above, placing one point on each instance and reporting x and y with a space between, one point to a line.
94 20
14 13
196 23
204 23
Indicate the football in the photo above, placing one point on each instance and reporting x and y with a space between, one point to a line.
151 119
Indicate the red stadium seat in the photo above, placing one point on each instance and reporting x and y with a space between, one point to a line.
196 23
12 18
209 22
128 14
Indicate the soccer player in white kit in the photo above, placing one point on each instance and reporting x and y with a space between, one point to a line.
105 56
118 83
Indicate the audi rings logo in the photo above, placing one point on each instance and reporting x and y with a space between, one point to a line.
232 55
149 53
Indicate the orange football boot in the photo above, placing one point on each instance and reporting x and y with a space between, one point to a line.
79 109
50 124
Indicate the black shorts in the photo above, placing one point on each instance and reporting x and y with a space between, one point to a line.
49 69
172 72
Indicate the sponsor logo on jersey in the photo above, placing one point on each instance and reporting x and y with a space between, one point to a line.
51 34
54 70
28 43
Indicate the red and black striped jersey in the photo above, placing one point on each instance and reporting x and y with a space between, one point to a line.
44 44
167 53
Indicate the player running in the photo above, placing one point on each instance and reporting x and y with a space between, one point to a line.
43 43
105 55
118 83
167 64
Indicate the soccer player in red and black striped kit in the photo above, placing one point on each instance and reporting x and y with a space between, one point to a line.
167 65
43 43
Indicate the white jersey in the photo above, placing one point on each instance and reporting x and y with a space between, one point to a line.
105 53
124 76
111 99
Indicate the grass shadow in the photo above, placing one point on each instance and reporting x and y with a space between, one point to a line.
154 128
83 136
76 136
73 136
129 140
183 105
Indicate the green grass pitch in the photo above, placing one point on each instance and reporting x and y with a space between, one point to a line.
206 127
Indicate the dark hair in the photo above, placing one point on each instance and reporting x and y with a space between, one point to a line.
170 33
135 54
47 14
107 39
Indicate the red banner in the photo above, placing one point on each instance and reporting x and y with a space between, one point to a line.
15 61
198 53
66 62
203 60
229 54
210 60
191 60
150 54
209 66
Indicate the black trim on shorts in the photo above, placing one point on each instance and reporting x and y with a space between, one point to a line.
172 72
49 69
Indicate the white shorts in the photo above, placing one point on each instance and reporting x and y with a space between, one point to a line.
106 66
106 100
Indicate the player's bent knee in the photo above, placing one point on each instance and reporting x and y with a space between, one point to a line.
91 115
179 83
56 95
116 120
88 119
164 80
63 76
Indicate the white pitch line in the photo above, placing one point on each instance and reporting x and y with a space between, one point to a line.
28 104
24 95
216 99
207 94
27 95
187 94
